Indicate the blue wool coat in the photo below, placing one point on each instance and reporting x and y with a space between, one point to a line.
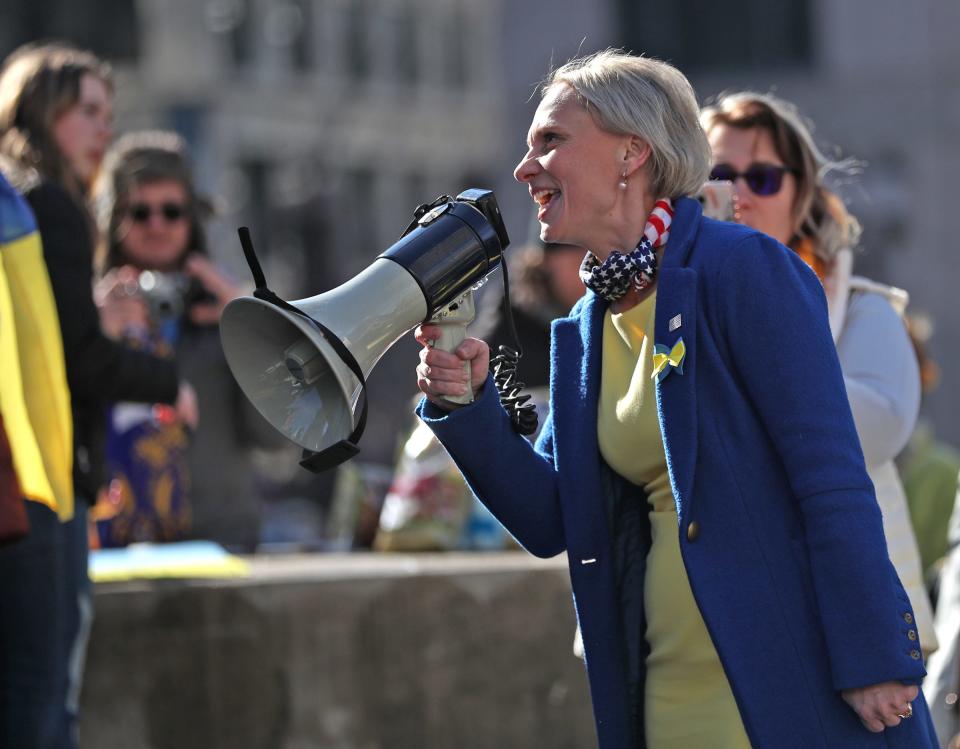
779 529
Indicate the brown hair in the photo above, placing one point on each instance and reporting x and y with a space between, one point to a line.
819 214
38 83
135 159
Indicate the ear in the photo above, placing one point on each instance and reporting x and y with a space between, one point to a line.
636 154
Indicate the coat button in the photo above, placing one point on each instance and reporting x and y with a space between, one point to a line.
693 530
908 618
915 654
912 634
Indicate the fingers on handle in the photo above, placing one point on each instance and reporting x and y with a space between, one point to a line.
426 334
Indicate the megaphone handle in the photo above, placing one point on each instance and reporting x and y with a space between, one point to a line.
451 336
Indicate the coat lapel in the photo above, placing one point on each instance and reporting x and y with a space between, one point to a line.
676 318
677 393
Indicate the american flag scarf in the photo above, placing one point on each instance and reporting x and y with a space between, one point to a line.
613 277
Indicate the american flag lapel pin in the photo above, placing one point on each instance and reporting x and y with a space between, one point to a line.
674 323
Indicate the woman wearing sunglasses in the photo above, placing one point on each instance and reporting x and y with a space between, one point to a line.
763 146
167 483
700 466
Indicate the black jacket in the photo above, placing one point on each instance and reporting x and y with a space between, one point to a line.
99 370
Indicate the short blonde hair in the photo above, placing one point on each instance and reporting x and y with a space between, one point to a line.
818 213
632 95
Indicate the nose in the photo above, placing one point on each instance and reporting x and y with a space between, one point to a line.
156 222
527 168
105 130
741 192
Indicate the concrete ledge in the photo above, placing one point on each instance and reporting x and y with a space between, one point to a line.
342 651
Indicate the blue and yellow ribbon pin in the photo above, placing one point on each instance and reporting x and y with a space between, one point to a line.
665 359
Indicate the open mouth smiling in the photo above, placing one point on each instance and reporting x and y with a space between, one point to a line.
543 197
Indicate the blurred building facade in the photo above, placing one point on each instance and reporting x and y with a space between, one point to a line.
323 123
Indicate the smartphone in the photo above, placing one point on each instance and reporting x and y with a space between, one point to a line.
716 197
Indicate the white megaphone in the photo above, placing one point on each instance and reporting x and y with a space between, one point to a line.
304 364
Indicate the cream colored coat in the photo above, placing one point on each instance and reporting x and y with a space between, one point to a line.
883 385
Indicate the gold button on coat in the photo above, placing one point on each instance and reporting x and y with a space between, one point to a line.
908 618
912 634
915 654
693 530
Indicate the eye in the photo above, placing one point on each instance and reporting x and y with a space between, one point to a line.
549 140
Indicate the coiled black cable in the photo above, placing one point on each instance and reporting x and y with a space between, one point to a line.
523 415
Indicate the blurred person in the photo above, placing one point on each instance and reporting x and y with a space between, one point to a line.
55 123
35 485
428 507
700 464
929 467
942 684
544 285
168 483
762 144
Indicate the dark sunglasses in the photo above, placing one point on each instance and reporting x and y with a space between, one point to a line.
140 213
762 179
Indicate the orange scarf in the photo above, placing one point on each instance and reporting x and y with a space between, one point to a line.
805 250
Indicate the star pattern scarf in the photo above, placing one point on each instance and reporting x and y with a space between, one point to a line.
612 278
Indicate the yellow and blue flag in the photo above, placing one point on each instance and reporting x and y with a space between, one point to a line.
34 396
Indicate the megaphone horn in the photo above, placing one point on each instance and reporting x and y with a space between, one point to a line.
304 364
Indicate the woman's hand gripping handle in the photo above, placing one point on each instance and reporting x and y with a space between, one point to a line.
452 366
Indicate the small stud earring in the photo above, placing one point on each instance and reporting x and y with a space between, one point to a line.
623 181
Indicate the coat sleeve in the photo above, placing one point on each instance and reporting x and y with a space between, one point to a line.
775 317
515 481
98 368
883 381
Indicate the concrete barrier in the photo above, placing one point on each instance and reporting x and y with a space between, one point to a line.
341 651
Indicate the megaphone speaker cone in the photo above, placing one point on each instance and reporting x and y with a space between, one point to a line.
290 372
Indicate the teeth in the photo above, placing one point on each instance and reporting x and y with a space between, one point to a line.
542 197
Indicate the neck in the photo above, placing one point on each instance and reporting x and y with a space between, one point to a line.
629 221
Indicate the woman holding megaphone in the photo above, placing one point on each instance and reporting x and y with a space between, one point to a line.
700 465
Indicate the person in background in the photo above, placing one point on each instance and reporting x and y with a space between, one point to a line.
941 687
36 491
700 465
55 124
544 285
428 507
763 146
167 483
930 467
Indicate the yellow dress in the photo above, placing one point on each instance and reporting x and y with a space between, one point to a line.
688 701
